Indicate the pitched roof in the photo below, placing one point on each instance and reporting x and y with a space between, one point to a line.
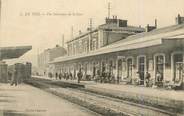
127 28
110 26
159 31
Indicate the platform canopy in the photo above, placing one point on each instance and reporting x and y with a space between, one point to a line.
13 52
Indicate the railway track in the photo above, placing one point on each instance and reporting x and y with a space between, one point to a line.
99 103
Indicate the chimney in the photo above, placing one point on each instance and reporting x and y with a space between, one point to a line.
80 32
150 28
88 29
179 19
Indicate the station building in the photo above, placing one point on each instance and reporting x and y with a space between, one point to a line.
124 50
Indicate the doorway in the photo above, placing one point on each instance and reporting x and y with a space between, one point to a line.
119 69
141 69
129 67
178 67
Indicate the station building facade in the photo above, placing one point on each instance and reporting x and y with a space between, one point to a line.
130 50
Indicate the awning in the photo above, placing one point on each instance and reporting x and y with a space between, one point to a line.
13 52
128 44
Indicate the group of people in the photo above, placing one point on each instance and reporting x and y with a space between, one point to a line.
67 75
147 79
140 79
107 77
64 76
102 77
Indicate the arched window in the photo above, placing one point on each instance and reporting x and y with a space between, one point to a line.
141 68
177 66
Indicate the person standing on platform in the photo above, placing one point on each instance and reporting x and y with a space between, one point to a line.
60 76
137 78
14 78
79 75
147 76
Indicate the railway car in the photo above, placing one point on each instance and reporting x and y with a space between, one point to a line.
28 70
23 71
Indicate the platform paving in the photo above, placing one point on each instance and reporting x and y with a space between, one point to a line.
148 91
25 100
158 97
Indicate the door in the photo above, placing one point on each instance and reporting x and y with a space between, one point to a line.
119 69
129 68
141 69
103 66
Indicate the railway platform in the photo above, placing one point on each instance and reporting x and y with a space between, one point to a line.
25 100
157 97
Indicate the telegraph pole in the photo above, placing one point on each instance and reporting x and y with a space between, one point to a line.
109 10
109 13
90 29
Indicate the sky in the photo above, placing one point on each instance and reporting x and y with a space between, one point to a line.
41 23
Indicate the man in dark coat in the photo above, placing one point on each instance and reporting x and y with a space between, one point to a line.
147 76
60 76
79 75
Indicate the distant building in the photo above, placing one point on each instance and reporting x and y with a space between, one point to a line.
49 55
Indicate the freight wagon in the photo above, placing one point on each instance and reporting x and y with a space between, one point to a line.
23 71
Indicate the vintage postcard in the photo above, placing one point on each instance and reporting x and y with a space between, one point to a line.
91 57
